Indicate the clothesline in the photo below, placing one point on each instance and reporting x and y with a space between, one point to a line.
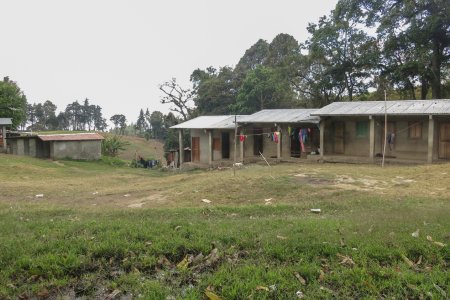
401 130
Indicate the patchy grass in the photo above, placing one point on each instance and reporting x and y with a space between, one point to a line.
101 230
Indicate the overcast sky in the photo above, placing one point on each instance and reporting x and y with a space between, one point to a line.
117 52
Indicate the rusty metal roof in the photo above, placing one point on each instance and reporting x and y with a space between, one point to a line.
373 108
209 122
5 121
70 137
302 115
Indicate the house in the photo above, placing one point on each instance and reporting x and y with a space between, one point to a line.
279 133
83 146
417 130
212 139
4 123
275 133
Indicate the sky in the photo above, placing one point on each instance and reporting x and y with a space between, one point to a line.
116 53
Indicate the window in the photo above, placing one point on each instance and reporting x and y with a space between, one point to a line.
415 130
361 129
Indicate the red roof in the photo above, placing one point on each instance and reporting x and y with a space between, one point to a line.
70 137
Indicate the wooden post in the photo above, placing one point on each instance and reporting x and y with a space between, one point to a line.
235 145
279 143
371 137
430 139
241 148
322 140
181 147
210 148
4 138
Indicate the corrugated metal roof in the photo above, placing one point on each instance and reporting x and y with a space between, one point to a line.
5 121
282 116
70 137
373 108
209 122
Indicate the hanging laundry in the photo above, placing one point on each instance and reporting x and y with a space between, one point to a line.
242 137
276 136
289 130
300 138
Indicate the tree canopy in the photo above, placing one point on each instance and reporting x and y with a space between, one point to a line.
13 102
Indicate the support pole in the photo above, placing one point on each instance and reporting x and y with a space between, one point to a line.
235 145
210 148
279 143
4 138
181 147
385 129
241 148
430 139
322 135
371 138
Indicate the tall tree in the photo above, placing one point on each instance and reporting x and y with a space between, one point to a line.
13 103
180 98
157 124
262 88
216 91
413 31
99 122
141 123
49 111
120 123
346 55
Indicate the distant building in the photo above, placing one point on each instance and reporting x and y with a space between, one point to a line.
4 123
83 146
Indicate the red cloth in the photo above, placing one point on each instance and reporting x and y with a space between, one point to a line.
242 138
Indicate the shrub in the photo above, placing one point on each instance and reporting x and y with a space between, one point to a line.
111 145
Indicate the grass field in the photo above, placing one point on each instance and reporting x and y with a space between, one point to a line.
104 231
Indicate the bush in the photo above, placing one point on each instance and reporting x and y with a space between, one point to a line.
111 145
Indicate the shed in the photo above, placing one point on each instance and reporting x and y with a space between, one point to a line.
4 123
417 130
83 146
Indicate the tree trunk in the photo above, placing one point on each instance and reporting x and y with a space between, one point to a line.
436 71
424 89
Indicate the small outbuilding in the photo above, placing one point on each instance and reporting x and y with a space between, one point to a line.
4 123
417 130
82 146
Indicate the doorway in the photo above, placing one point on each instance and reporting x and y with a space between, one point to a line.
195 149
444 140
225 145
339 134
257 141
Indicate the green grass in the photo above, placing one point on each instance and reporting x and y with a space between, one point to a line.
64 245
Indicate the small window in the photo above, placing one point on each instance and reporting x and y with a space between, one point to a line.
415 130
361 129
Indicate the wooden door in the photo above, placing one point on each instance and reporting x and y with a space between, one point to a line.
196 149
339 135
444 140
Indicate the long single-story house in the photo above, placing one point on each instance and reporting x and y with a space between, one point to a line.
83 146
212 139
274 133
4 123
279 134
417 130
